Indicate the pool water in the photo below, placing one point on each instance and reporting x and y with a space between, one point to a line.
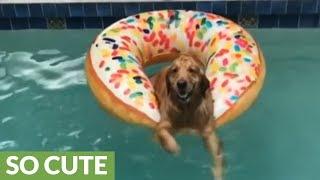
45 104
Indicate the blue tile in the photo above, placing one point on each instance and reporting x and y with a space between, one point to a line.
5 24
278 7
263 7
118 10
93 22
268 21
62 10
20 23
294 7
35 10
1 13
248 7
90 9
146 6
233 7
75 23
189 5
174 5
132 8
76 10
309 20
107 21
204 6
233 18
104 9
8 10
219 7
22 10
310 7
160 5
288 21
49 10
38 23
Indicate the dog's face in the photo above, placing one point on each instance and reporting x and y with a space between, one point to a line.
186 78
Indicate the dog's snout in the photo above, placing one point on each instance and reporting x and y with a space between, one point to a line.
182 84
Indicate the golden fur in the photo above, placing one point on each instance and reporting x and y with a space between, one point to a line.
185 103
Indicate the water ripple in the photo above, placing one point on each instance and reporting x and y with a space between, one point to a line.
97 141
64 148
21 90
75 133
6 119
5 96
48 52
55 72
4 145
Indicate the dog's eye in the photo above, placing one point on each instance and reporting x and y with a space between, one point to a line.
174 70
192 70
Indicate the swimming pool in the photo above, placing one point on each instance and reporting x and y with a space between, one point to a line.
45 104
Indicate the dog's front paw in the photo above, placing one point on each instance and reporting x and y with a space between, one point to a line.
168 142
217 172
171 146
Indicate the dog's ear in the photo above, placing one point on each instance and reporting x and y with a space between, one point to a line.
204 84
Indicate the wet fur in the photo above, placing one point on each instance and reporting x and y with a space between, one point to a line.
195 115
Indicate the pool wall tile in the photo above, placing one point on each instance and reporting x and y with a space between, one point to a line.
248 21
146 6
22 10
90 10
233 18
310 6
267 21
75 23
49 10
132 8
294 7
118 10
219 7
5 24
1 13
8 10
38 23
263 7
160 5
104 9
174 5
76 10
56 23
107 21
92 22
204 6
233 7
36 10
308 21
278 7
289 21
62 10
20 23
249 13
189 5
248 7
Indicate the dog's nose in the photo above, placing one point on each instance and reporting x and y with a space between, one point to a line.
182 84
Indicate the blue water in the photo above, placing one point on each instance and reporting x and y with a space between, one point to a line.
45 104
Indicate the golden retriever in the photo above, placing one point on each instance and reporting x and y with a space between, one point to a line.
185 103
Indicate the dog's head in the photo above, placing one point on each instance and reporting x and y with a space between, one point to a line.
186 78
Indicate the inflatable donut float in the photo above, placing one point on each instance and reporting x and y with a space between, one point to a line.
115 62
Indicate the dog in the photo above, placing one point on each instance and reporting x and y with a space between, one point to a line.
186 104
